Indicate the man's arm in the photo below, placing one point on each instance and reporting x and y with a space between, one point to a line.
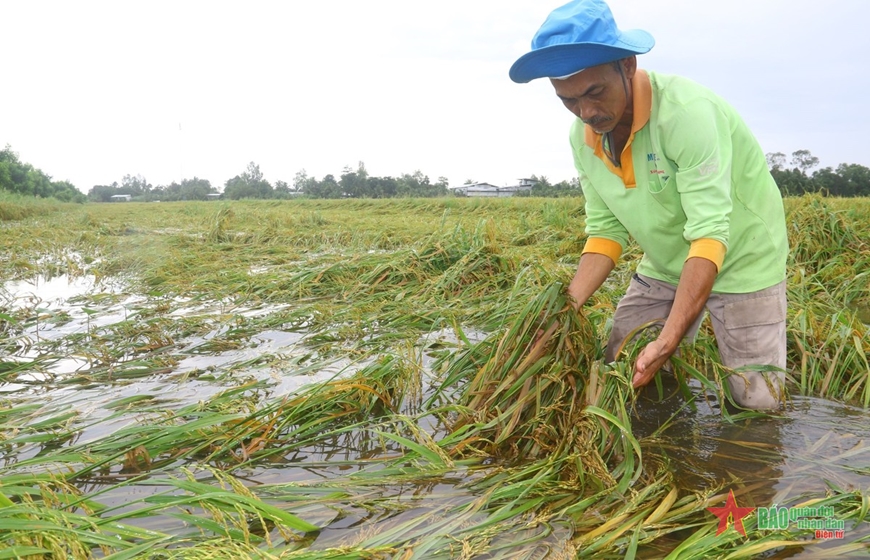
591 273
696 283
698 140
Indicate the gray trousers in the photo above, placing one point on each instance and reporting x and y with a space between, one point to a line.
749 329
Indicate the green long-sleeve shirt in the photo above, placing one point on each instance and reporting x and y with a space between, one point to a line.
693 183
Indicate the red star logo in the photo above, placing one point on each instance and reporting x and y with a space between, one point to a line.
732 512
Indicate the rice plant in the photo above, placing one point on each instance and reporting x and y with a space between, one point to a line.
427 390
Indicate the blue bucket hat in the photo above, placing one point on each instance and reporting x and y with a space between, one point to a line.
578 35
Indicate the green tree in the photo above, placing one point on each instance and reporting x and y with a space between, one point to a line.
328 187
249 184
543 187
188 189
67 192
197 189
775 160
354 184
804 160
848 180
302 182
283 189
383 187
831 182
10 166
418 185
858 176
136 186
102 193
793 182
22 178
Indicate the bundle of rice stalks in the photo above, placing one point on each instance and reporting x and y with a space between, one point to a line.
540 390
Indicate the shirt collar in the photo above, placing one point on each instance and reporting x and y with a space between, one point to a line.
641 103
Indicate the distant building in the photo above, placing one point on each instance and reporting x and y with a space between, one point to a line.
475 189
485 189
121 197
527 182
213 196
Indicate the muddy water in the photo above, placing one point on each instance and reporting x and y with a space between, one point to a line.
813 445
808 433
809 447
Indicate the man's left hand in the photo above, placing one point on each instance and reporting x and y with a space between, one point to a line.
650 360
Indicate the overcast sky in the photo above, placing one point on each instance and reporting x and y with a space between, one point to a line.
93 91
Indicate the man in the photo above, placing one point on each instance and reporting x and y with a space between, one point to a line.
667 162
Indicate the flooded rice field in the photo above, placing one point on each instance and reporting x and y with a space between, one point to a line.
364 380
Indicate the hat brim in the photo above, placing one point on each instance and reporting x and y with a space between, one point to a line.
562 60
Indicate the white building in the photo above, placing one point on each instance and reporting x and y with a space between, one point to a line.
485 189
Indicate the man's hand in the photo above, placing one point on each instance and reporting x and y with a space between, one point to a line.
650 360
696 282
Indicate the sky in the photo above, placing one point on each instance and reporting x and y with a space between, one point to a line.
93 91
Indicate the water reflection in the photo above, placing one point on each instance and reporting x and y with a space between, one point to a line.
812 440
706 451
809 447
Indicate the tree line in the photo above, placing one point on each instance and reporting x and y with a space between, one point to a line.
251 184
138 188
352 183
848 179
22 178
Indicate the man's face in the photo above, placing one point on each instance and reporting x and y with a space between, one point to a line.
596 95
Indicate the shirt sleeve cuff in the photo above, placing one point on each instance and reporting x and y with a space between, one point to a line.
603 246
709 249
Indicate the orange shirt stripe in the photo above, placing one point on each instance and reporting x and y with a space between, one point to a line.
709 249
603 246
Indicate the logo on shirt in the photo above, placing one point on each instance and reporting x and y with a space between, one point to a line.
651 159
708 168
